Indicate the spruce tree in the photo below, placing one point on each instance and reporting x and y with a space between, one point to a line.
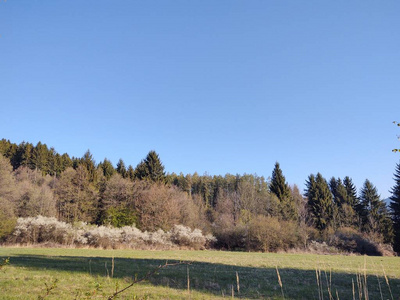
395 208
121 169
351 190
107 168
374 212
319 201
150 168
40 157
89 164
280 188
131 173
344 213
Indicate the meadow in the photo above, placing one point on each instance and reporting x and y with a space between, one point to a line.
63 273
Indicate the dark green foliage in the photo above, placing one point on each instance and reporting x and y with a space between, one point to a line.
320 202
89 164
278 184
280 188
121 169
351 190
395 208
40 157
26 152
150 168
107 168
344 213
119 217
375 217
131 173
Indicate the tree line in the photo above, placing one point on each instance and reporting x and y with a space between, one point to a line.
243 211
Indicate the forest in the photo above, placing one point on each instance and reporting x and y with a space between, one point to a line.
237 212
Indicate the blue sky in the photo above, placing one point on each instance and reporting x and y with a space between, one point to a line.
212 86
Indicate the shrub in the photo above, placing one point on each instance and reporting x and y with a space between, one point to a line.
272 234
184 236
231 237
350 240
42 229
49 230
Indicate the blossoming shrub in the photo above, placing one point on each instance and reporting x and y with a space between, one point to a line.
49 230
42 229
184 236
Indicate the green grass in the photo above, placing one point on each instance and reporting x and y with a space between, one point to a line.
86 274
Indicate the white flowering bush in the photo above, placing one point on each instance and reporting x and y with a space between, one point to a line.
102 236
43 229
132 235
49 230
184 236
160 237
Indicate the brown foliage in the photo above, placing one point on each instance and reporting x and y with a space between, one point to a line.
158 206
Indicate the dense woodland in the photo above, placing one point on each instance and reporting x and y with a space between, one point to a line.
243 212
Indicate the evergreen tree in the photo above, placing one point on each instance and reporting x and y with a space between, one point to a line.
319 201
351 190
150 168
280 188
278 185
107 168
40 157
375 215
65 162
343 211
395 209
53 162
121 169
131 173
89 164
26 155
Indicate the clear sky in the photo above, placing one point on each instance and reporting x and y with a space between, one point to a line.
212 86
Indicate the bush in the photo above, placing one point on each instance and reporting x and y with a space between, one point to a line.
350 240
42 229
184 236
231 237
269 234
49 230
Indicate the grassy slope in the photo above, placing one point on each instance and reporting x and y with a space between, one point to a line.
212 274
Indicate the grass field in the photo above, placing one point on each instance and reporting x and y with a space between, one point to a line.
96 274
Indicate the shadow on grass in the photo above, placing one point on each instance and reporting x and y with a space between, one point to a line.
220 279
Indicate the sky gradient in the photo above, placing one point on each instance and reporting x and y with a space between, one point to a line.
212 86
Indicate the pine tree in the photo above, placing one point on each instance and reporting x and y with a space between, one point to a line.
150 168
395 209
280 188
319 202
